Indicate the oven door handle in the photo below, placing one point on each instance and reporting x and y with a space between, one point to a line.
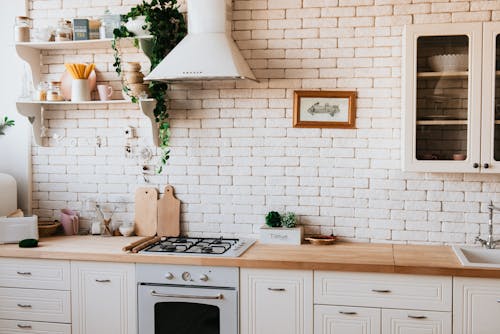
164 295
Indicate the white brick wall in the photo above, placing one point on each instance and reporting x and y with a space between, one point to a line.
235 155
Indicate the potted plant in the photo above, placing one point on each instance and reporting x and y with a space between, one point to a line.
166 25
6 123
281 229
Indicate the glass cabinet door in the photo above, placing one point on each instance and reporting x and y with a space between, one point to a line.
442 103
490 146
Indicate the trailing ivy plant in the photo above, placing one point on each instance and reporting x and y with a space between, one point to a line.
5 124
167 28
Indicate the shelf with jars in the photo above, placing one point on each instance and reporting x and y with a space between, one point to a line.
34 110
451 91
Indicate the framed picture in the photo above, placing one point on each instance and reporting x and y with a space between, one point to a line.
324 109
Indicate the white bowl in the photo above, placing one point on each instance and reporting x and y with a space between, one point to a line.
126 231
449 62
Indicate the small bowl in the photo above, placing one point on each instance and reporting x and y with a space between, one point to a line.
458 156
127 230
449 62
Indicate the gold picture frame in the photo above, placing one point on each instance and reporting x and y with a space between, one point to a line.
324 109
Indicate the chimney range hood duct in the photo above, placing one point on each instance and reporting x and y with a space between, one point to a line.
207 52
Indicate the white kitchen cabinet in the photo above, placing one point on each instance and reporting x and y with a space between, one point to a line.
276 301
449 119
351 302
104 298
35 296
415 322
346 320
476 306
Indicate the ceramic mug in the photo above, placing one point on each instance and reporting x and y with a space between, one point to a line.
69 221
458 156
105 92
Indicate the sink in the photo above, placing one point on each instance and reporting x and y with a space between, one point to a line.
478 257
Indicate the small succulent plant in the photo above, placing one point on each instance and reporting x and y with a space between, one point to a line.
289 219
273 219
5 124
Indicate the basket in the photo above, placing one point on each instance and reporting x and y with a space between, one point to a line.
47 229
321 239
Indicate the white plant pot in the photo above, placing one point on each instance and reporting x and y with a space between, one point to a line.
135 25
281 235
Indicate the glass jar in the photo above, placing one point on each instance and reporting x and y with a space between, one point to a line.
54 91
64 31
41 91
22 28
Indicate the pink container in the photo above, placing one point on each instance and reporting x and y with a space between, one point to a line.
69 221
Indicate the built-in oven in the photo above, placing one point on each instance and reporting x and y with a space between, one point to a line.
176 299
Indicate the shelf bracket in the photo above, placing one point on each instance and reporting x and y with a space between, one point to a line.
147 107
33 112
32 57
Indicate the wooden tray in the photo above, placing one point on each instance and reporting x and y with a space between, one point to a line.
321 239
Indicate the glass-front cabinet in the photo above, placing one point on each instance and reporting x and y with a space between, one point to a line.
448 112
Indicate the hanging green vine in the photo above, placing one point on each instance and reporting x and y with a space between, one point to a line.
167 28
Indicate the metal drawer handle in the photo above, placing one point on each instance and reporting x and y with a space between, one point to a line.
103 280
276 289
23 326
417 317
381 291
156 294
24 305
24 273
348 313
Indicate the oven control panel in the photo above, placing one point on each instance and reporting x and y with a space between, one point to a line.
187 275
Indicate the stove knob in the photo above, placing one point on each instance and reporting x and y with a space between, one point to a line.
203 277
186 276
169 276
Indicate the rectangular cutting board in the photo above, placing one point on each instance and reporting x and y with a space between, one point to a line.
146 211
169 212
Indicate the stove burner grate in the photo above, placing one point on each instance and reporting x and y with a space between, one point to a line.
192 245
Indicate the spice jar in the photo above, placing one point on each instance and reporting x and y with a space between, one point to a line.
64 31
41 91
54 91
22 29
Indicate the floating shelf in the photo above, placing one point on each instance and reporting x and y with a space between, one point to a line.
33 111
450 75
444 122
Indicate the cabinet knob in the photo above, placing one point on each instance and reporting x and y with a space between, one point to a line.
475 165
486 165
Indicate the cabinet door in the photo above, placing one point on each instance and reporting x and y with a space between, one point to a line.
104 298
276 301
476 306
490 145
442 98
346 320
415 322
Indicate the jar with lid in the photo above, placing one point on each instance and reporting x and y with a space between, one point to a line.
22 28
54 91
41 91
64 31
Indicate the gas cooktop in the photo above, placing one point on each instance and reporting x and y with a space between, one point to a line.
199 246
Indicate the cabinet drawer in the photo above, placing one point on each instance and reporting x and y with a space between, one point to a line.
343 320
35 305
414 322
383 290
33 327
36 274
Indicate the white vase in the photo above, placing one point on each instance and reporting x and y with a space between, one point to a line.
135 25
80 90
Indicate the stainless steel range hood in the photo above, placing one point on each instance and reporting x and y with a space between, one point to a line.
208 51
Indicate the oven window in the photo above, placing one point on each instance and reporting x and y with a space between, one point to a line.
186 318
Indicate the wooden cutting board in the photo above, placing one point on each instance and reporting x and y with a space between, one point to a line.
146 211
169 213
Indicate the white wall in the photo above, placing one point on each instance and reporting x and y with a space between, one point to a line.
15 149
235 154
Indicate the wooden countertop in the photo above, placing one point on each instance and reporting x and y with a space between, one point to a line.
342 256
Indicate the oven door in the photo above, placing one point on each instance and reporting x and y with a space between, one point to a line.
187 310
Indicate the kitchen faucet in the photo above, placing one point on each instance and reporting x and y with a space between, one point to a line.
489 243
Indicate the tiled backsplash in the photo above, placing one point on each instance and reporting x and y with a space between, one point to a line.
235 155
